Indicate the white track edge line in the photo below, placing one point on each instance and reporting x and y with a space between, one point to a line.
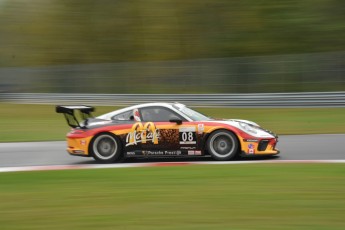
153 164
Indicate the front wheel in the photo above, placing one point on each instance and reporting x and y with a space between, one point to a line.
105 148
222 145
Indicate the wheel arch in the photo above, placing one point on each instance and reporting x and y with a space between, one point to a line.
222 129
90 150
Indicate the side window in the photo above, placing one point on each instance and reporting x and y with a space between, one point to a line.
158 114
125 116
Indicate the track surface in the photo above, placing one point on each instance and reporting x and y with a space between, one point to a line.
293 147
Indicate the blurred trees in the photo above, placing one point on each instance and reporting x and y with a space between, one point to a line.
54 32
172 46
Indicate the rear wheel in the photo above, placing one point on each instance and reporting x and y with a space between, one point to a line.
222 145
105 148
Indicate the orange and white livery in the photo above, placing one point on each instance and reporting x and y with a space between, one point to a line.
162 130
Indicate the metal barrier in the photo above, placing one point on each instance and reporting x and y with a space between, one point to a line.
252 100
309 72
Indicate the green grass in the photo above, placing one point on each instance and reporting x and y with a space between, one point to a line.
265 196
288 120
40 122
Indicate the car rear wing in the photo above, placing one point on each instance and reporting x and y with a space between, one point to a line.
73 119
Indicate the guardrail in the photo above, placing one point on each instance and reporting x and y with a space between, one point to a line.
312 99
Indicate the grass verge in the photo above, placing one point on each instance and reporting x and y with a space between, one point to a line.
279 196
20 122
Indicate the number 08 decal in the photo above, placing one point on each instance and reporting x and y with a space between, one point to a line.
187 136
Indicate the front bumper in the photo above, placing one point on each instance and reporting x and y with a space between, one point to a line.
259 146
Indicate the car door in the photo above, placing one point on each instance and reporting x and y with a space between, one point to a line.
170 129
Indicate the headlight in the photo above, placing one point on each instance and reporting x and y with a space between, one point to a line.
247 128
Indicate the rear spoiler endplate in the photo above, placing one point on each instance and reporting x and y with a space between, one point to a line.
71 117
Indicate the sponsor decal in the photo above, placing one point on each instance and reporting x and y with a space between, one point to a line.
160 153
188 147
178 152
250 140
198 152
251 149
187 129
130 153
152 153
201 128
187 135
83 142
191 153
142 134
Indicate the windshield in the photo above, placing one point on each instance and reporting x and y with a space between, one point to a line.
194 115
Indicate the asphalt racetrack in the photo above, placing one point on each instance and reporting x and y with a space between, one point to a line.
292 147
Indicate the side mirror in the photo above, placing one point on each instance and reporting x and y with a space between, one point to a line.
176 120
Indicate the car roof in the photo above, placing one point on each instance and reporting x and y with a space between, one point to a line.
163 104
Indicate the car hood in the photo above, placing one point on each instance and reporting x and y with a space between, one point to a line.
244 121
260 132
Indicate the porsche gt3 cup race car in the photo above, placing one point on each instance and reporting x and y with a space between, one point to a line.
162 130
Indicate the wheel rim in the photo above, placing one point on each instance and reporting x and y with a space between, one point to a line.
105 147
222 144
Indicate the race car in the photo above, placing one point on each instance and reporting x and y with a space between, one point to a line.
162 130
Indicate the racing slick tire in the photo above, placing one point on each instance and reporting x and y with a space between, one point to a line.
222 145
106 148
